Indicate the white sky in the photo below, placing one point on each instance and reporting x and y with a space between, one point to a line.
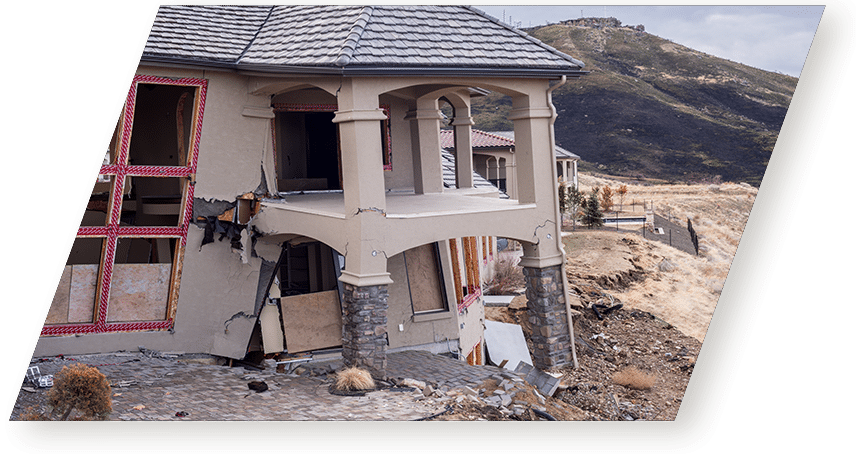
774 38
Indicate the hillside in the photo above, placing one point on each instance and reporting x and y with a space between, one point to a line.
652 108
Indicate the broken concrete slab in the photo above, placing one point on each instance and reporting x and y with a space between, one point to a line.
545 382
497 300
233 339
505 341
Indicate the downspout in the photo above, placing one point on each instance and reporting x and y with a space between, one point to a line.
565 286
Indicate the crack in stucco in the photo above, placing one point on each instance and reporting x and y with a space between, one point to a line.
236 316
535 233
374 209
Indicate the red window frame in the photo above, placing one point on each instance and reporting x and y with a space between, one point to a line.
113 231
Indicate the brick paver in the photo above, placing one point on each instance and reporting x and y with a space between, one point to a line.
155 389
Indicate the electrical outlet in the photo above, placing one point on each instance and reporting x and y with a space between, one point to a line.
401 327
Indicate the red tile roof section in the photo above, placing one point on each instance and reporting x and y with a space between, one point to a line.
481 139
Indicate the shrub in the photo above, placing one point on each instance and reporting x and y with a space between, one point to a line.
593 216
353 379
507 277
32 414
606 198
634 378
83 388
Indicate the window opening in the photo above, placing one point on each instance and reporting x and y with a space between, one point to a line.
134 231
309 297
308 149
425 279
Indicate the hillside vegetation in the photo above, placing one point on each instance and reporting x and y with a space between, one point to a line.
652 108
686 295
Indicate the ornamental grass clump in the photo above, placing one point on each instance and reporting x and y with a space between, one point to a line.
634 378
353 379
82 388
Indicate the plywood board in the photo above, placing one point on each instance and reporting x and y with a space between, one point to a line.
312 321
81 299
423 276
58 313
139 292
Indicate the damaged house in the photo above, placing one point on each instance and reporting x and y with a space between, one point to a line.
278 170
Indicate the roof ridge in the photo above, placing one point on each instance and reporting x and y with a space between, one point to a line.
354 36
255 35
525 35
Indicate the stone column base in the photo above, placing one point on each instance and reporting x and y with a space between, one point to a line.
548 317
364 337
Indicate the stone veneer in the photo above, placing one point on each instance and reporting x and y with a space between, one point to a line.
364 338
548 317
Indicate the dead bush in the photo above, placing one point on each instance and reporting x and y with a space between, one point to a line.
634 378
32 414
507 277
353 379
83 388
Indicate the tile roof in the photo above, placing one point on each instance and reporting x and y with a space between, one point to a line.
447 162
291 38
480 139
483 139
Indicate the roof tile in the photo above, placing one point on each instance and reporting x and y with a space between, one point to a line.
388 35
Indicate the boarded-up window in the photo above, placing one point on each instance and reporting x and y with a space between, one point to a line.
425 279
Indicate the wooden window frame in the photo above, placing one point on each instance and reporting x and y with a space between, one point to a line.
113 231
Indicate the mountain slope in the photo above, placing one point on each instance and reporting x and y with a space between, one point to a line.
652 108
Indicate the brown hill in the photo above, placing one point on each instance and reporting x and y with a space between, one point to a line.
652 108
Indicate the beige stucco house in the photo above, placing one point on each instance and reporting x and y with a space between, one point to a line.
276 174
493 159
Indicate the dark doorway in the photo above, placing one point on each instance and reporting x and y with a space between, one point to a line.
308 154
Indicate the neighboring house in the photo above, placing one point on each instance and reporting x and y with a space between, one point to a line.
493 158
284 162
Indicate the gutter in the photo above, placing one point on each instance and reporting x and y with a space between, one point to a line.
429 71
565 286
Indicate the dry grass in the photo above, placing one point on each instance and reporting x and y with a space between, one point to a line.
634 378
507 277
353 379
719 213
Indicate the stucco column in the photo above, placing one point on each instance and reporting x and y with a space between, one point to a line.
359 120
425 143
463 151
576 181
532 151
